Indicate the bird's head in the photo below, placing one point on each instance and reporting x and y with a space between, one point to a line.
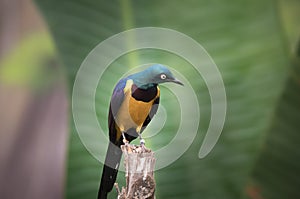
155 74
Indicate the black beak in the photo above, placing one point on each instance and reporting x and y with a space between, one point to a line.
176 81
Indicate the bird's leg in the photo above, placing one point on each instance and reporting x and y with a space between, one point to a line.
142 141
125 141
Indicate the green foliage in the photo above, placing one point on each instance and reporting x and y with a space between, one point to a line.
257 151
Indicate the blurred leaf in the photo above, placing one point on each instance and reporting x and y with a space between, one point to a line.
245 40
289 10
278 166
23 65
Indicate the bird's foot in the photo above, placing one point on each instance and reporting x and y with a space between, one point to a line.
142 144
126 142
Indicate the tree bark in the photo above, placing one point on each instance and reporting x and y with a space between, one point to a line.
139 165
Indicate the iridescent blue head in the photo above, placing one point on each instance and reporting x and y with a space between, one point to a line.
155 74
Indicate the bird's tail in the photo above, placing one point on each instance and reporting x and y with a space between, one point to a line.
110 170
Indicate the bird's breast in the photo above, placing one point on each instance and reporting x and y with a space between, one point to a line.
139 110
135 107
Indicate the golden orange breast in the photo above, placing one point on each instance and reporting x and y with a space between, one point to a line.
133 113
139 110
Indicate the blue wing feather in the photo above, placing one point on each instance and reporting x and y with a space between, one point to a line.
115 103
118 96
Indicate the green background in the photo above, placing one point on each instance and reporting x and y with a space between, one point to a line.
254 44
257 151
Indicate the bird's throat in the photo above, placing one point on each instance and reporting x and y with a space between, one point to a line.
145 94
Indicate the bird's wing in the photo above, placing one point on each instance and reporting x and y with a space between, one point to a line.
115 103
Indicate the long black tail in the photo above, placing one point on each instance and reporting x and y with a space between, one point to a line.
110 170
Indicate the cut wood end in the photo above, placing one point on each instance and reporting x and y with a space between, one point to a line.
130 148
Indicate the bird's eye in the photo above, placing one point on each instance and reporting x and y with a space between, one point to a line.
163 76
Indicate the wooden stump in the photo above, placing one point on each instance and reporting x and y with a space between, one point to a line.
139 165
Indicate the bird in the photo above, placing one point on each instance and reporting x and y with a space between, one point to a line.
133 104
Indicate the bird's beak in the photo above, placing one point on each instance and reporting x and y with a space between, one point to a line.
176 81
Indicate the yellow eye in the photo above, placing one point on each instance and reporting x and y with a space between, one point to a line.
163 76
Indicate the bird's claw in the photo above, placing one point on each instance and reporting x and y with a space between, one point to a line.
126 142
142 142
